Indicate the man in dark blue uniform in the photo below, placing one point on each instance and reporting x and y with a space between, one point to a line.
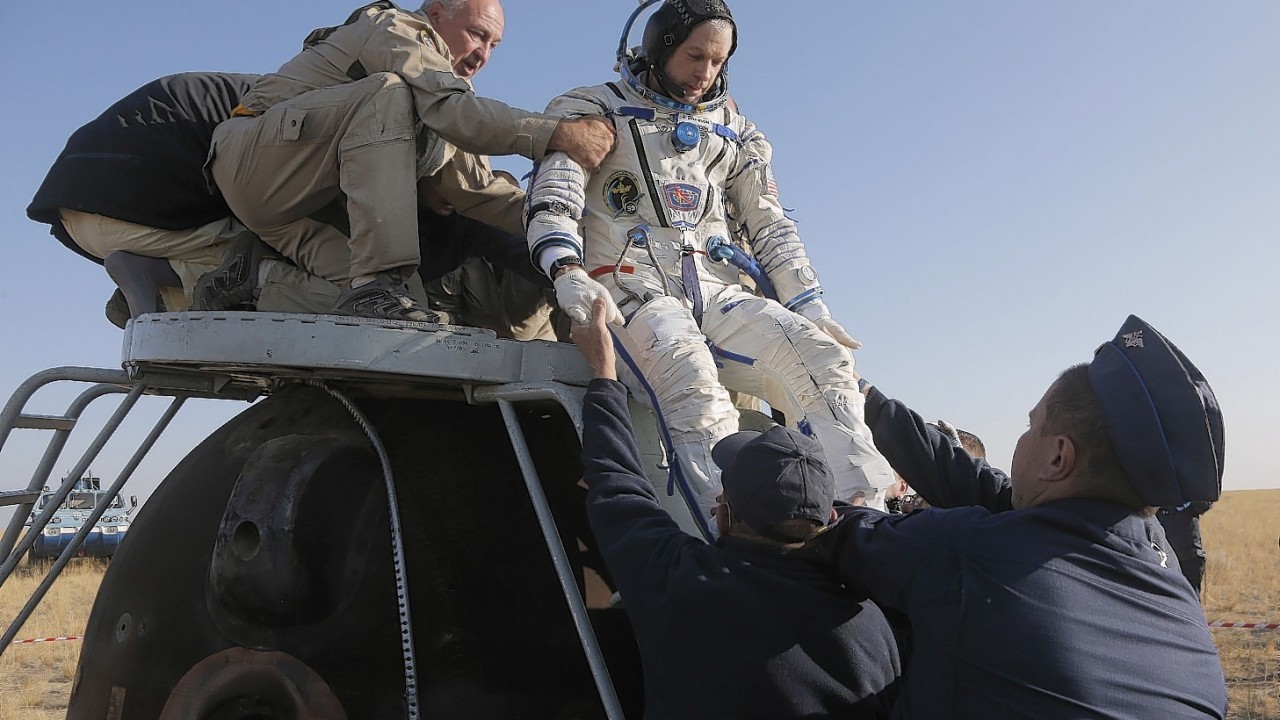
1051 595
1181 525
747 628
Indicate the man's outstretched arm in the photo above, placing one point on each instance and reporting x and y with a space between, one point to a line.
942 473
637 538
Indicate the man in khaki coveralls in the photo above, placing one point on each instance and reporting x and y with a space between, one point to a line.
364 112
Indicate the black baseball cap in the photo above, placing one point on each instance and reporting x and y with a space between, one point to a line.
776 475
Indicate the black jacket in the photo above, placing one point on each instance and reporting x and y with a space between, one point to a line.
142 159
740 630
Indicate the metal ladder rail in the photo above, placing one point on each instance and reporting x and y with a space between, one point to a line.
109 381
77 471
99 508
61 426
12 416
571 400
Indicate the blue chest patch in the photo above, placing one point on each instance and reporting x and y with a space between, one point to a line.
682 197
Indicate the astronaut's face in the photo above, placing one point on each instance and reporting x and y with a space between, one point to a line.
697 62
472 33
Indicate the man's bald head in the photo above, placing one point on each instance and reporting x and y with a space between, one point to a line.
471 29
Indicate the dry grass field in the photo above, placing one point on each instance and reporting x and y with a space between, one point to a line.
35 679
1242 584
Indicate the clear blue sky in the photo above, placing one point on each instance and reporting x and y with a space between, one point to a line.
988 188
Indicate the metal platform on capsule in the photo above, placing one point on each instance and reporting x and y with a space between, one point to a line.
239 352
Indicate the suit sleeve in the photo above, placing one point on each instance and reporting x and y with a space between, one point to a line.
557 194
752 196
943 474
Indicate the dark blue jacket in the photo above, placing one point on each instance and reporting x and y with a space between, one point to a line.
1063 610
1182 528
740 630
142 159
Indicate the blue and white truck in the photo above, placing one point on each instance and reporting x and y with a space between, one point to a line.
73 513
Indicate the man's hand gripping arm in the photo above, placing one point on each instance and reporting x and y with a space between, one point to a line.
404 43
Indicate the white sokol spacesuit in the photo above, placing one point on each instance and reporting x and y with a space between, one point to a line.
643 225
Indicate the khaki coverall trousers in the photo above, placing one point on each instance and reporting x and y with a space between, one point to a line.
191 253
357 139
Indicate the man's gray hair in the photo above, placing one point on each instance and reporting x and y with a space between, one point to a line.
450 6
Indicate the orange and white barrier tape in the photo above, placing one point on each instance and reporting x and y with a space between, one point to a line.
1244 625
48 639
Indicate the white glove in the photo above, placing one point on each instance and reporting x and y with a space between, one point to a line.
818 312
575 291
950 431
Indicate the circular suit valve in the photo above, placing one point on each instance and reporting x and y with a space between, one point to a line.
239 683
686 137
719 249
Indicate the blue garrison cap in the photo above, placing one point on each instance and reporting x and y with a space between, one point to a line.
774 476
1161 414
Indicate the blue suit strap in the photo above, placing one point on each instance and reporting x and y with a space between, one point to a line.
803 298
650 114
730 355
725 131
636 112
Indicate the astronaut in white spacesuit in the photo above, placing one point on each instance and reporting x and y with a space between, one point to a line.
651 231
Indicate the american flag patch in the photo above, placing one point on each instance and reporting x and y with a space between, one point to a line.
770 184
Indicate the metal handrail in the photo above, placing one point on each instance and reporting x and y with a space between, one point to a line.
77 471
53 450
12 412
12 548
571 400
99 508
